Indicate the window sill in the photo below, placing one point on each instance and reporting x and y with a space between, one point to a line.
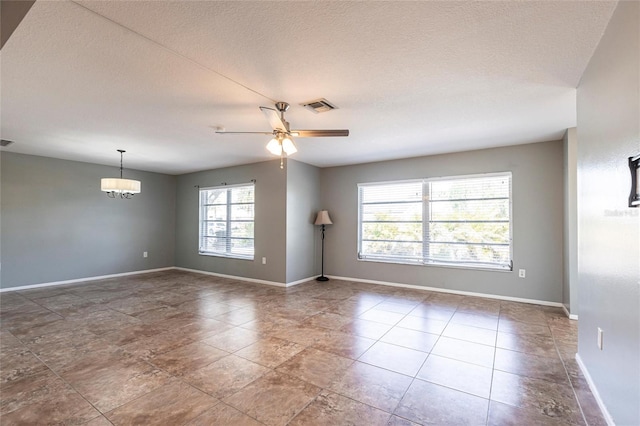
226 256
441 265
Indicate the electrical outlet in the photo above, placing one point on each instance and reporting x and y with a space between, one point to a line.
522 273
264 260
145 254
600 337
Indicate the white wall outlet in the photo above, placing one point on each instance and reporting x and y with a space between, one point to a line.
522 273
264 260
600 337
145 254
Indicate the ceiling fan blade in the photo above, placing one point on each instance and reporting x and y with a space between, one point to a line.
319 133
222 132
274 119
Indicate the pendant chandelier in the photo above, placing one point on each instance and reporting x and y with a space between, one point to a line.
124 188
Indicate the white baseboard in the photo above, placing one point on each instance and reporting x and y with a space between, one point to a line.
279 284
147 271
569 314
251 280
232 277
81 280
446 290
304 280
594 391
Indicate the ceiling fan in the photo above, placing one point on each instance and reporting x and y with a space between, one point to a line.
282 143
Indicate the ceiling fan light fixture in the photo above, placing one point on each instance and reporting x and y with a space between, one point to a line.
282 144
288 146
274 147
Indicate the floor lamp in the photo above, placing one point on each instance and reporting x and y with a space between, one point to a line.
323 219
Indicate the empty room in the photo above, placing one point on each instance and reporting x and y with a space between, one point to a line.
320 213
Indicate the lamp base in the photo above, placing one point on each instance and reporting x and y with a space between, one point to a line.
322 278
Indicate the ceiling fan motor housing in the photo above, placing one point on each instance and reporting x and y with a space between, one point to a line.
282 106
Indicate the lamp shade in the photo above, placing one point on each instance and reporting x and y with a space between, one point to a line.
120 186
323 218
288 146
274 147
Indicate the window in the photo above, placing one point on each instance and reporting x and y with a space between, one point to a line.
227 221
457 221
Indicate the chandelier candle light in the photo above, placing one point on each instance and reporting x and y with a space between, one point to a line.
126 188
323 219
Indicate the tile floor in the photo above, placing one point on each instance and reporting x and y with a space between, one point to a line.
177 348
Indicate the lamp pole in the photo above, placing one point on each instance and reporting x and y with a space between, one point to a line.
322 277
323 219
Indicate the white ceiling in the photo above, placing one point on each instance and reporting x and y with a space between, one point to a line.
80 80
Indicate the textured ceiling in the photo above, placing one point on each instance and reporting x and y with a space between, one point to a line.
80 80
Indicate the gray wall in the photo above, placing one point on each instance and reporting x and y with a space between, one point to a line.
570 235
270 221
537 220
303 199
609 231
57 225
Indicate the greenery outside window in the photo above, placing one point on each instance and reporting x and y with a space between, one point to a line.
227 221
462 221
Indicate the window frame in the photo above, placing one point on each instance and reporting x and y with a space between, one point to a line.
424 260
228 222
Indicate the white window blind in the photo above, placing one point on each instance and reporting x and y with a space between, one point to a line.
227 221
461 221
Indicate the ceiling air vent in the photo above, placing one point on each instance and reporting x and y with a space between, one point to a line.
319 105
4 142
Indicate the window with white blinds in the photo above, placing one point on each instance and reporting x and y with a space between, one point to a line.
459 221
227 221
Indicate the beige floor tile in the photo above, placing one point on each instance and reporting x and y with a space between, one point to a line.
108 385
43 397
395 358
332 409
18 363
173 404
462 350
188 358
470 334
316 367
399 421
487 321
555 400
233 339
411 339
426 310
343 344
177 329
364 328
516 327
223 414
538 367
426 325
372 385
384 317
274 399
458 375
533 344
226 376
507 415
327 320
270 352
428 403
